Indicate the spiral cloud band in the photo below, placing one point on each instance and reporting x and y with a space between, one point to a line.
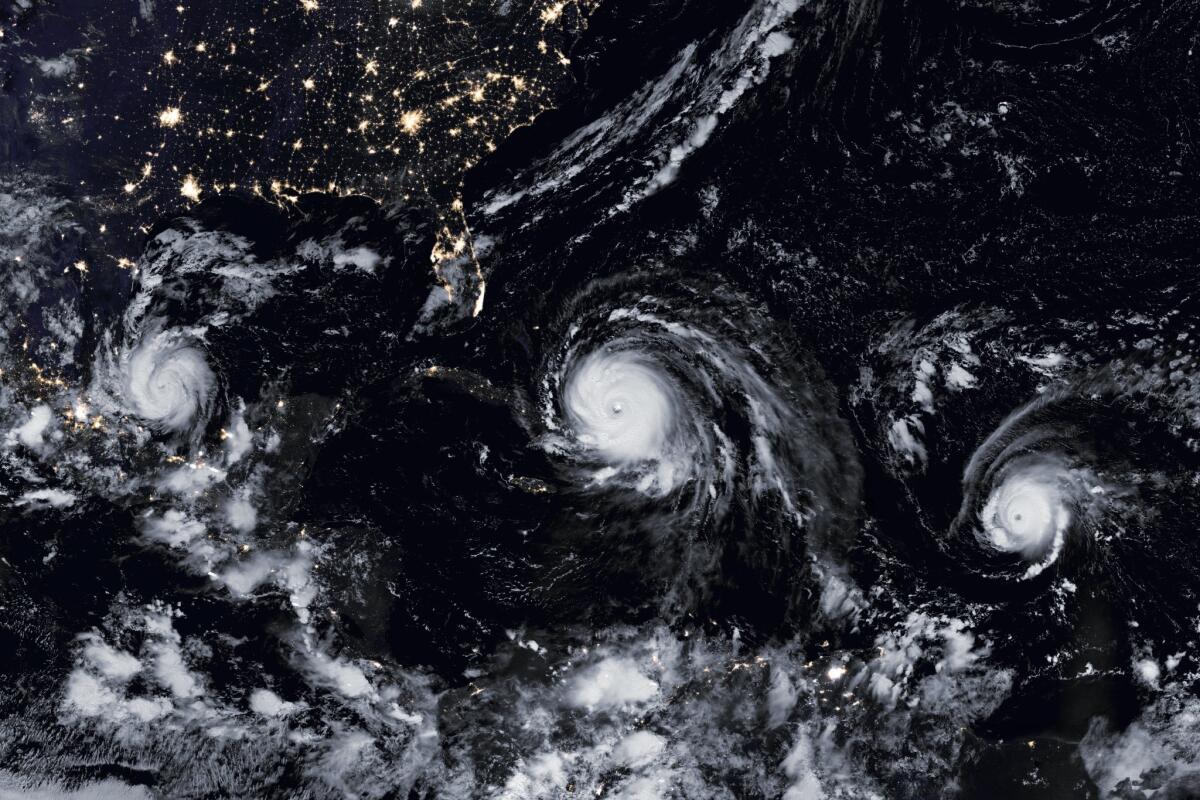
167 382
621 406
1027 513
706 446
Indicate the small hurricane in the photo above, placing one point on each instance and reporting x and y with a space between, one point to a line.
1029 487
166 380
1026 513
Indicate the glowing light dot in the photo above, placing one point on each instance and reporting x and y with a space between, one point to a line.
551 13
410 121
169 57
170 117
309 5
190 189
309 83
836 673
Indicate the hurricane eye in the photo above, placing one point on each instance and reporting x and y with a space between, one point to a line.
622 405
1029 514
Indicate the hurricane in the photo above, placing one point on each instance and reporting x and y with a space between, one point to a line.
677 415
1026 514
1033 492
1065 489
622 409
1066 534
166 380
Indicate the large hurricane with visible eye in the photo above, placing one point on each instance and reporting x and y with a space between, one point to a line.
1032 498
692 438
621 407
1026 514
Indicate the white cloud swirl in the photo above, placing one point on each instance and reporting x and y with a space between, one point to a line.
622 406
166 380
1028 512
